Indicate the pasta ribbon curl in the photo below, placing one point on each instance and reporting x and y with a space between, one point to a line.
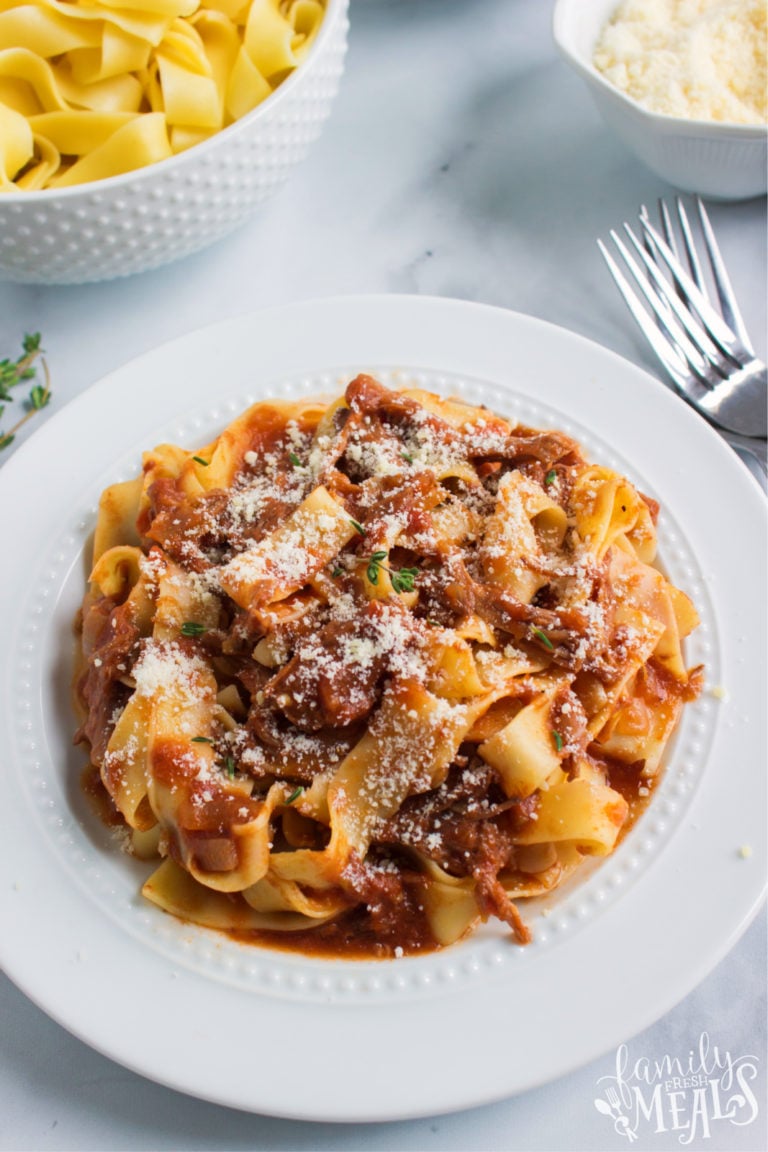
370 671
95 88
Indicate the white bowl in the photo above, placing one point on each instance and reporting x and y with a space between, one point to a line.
725 161
148 217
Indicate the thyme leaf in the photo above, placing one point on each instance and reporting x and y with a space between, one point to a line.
375 565
19 371
192 628
39 397
403 580
543 638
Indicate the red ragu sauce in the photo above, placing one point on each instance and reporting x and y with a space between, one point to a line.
395 929
410 645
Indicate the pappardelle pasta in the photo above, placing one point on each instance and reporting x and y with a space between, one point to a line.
94 88
365 673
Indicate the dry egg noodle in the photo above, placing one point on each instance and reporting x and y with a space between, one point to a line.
697 59
93 89
366 673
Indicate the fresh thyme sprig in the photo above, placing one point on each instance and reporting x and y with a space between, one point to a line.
402 578
20 371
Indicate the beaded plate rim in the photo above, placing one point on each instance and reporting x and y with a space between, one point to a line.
81 845
632 961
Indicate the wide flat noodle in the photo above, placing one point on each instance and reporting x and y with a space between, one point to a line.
94 88
382 666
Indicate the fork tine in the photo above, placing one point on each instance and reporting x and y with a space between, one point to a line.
648 243
701 344
690 249
646 238
666 352
669 235
713 322
725 294
733 399
666 225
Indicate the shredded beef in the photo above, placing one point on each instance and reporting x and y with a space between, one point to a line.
110 637
466 834
323 685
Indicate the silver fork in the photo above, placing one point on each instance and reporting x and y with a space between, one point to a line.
707 353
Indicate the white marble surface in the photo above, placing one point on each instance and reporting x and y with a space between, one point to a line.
463 159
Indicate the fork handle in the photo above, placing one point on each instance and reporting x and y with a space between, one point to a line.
752 453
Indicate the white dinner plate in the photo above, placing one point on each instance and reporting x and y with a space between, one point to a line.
323 1039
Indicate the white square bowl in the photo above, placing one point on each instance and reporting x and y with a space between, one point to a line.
723 161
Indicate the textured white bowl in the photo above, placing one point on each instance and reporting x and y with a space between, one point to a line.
725 161
146 218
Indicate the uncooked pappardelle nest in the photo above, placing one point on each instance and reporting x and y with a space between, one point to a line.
95 88
366 673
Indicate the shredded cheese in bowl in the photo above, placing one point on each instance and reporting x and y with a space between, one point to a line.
693 59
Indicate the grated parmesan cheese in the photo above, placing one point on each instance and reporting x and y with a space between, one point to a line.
696 59
164 667
367 703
